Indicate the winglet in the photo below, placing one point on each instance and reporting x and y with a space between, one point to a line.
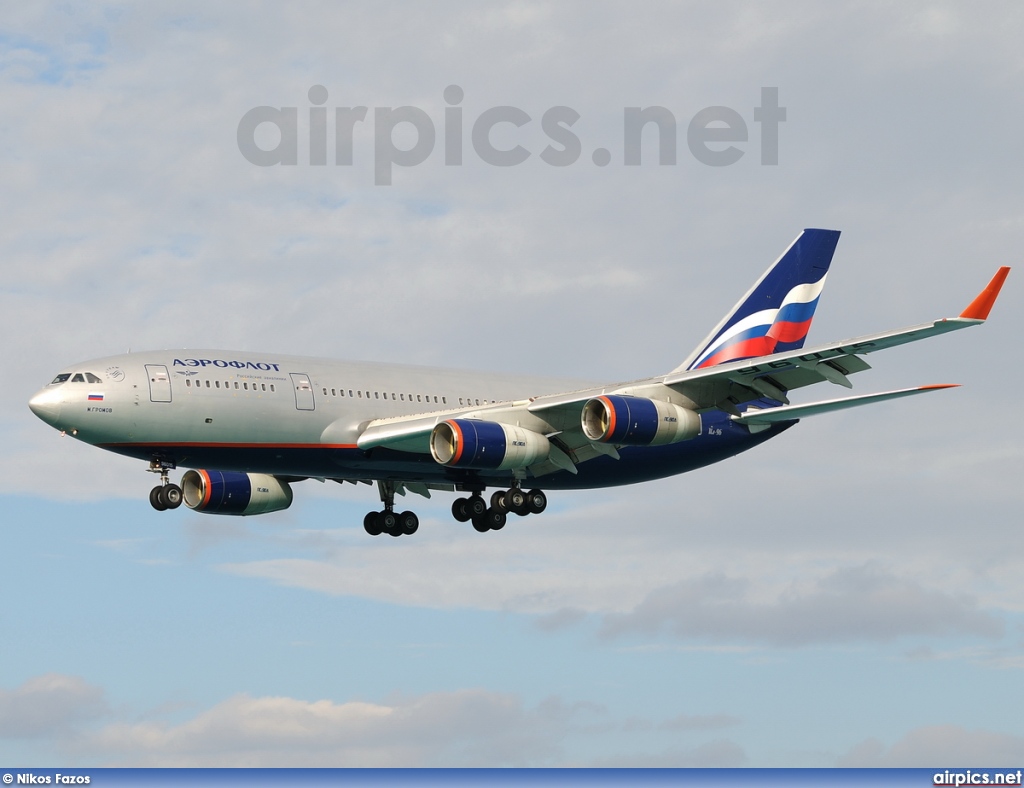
982 305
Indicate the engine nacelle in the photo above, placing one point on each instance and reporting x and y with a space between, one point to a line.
486 445
637 421
227 492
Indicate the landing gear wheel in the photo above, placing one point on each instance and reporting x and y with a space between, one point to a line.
408 523
371 524
490 520
515 500
388 522
536 501
460 510
498 501
156 499
495 519
170 495
480 524
476 505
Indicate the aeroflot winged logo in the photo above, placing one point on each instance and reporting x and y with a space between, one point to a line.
263 366
767 331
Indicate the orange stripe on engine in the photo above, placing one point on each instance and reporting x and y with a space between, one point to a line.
207 490
611 419
460 441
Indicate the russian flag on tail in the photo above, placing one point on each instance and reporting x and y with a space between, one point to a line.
776 314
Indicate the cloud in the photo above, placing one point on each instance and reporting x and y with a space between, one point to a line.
48 705
459 728
848 605
949 745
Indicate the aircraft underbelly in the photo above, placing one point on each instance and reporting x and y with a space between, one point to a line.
635 464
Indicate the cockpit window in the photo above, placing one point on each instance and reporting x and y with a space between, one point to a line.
91 378
78 378
61 378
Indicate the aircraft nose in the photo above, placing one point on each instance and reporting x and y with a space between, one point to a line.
46 405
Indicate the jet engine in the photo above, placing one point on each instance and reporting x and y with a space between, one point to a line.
637 421
486 445
226 492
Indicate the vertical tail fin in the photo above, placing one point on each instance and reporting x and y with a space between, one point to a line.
776 312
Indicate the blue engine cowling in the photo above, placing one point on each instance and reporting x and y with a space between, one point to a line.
637 421
486 445
227 492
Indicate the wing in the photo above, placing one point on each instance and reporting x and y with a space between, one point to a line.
725 387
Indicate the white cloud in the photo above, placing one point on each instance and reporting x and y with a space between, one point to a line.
459 728
48 705
951 746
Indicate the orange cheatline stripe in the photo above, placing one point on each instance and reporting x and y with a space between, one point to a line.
206 445
982 305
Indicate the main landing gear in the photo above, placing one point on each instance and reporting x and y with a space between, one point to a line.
165 495
386 521
472 509
493 518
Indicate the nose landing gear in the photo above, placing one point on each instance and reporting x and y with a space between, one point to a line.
165 495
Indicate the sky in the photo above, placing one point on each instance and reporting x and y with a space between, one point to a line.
849 594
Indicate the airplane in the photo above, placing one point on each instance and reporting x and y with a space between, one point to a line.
247 426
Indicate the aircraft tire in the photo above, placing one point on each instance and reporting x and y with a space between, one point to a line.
495 519
460 510
408 523
480 524
388 521
515 501
476 506
156 499
499 501
171 496
371 524
536 501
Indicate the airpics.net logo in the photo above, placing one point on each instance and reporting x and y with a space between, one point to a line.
713 134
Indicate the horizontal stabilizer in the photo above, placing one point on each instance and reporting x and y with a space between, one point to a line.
791 412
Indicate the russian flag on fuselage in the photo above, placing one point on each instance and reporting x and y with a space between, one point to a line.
775 315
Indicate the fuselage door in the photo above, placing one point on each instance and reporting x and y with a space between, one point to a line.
159 383
303 391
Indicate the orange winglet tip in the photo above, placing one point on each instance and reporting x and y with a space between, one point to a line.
982 305
939 386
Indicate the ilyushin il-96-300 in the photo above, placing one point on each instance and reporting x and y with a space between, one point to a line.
248 426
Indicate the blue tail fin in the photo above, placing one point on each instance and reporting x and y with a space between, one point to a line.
775 315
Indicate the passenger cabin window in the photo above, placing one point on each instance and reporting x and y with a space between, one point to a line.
62 378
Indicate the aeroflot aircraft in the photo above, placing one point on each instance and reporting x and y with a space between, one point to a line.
248 425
